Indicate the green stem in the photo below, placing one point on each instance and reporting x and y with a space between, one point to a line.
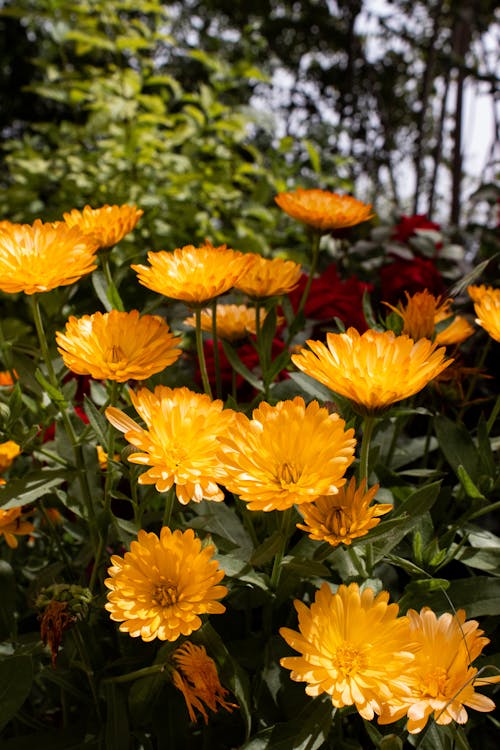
356 561
316 237
368 425
263 355
286 519
473 382
201 353
169 506
215 339
137 674
493 415
6 354
112 291
81 648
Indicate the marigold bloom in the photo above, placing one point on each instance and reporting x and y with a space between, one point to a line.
487 307
286 454
456 332
8 452
422 313
180 443
374 369
117 345
6 379
234 322
40 257
109 224
440 680
197 679
160 587
193 274
323 210
338 519
12 524
267 277
353 646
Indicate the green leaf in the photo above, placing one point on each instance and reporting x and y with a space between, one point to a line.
478 595
313 155
308 731
16 677
97 421
101 289
457 446
117 726
240 368
468 485
7 601
267 550
20 492
219 519
54 394
470 278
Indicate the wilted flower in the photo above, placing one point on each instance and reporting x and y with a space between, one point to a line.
197 679
161 587
13 524
61 605
8 452
374 369
267 277
338 519
286 454
180 443
352 646
40 257
193 274
117 345
109 224
440 681
323 210
487 307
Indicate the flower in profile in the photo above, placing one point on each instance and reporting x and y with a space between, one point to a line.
117 345
109 224
286 454
234 322
161 587
12 524
423 312
194 275
197 678
440 681
8 452
180 443
40 257
323 210
487 308
268 277
352 646
374 369
338 519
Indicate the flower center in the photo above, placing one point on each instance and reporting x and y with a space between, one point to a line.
348 659
165 595
287 475
114 354
337 521
433 684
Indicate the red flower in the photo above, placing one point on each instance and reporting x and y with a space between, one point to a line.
331 297
409 224
410 276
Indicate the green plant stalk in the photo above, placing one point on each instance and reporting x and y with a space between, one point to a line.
169 506
286 519
353 555
137 674
104 258
82 650
473 381
6 354
316 237
263 358
368 425
201 353
215 339
493 416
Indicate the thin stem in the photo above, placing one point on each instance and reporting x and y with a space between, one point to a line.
356 561
137 674
80 646
316 237
169 506
473 381
201 353
7 354
112 291
493 416
368 425
286 519
263 358
215 339
42 339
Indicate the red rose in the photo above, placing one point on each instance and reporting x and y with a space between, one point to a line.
409 224
410 276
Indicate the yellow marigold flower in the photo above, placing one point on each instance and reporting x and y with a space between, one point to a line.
487 307
440 681
161 587
352 646
197 678
40 257
323 210
267 277
6 379
193 274
374 369
286 454
117 345
12 524
109 224
456 332
8 452
423 311
338 519
102 457
234 322
180 443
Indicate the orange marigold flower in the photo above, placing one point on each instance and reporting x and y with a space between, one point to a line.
338 519
12 524
180 443
161 587
268 277
374 369
197 679
6 379
117 345
40 257
456 332
193 274
487 307
423 312
234 322
286 454
440 681
109 224
352 646
8 452
323 210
